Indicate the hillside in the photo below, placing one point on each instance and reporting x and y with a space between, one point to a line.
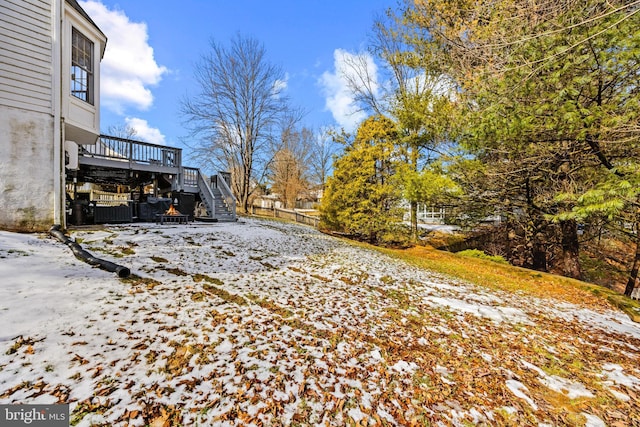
267 323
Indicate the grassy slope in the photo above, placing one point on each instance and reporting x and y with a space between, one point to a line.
509 278
462 360
579 355
506 277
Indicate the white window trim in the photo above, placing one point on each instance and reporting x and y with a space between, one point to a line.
80 117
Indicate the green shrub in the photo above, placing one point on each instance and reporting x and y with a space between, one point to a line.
475 253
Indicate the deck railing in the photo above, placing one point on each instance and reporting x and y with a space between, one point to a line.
190 176
127 150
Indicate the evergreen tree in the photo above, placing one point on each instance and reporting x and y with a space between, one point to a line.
362 197
414 94
550 94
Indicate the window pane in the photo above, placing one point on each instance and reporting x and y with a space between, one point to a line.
81 67
79 83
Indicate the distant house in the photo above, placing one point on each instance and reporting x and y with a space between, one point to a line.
50 53
307 200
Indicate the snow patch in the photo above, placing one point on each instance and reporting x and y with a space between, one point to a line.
593 421
404 367
495 313
133 346
616 374
572 389
520 390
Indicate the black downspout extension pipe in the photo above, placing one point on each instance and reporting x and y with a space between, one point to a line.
85 256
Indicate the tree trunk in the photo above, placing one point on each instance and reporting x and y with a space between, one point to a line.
633 274
414 204
539 243
539 254
570 249
246 188
414 221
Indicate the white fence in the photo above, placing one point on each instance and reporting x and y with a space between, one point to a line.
431 215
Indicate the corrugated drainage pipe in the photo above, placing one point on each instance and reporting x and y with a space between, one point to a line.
87 257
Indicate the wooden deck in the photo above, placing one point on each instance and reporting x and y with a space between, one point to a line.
114 159
120 153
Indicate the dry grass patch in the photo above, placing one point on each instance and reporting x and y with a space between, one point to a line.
211 286
271 306
505 277
138 282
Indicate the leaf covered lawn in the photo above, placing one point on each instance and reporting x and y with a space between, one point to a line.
265 323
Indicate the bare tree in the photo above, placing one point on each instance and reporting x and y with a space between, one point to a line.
123 130
289 168
323 149
236 112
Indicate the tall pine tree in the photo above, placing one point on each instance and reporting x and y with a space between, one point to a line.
551 100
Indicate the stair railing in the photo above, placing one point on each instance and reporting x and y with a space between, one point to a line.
227 194
206 194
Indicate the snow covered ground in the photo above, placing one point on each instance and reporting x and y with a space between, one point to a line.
266 323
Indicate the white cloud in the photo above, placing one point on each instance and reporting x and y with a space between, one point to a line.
280 86
128 67
144 132
339 99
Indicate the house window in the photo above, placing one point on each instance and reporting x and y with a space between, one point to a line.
81 67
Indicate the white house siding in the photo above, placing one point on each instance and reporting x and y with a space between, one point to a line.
25 57
27 136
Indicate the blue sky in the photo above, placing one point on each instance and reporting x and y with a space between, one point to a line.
153 46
